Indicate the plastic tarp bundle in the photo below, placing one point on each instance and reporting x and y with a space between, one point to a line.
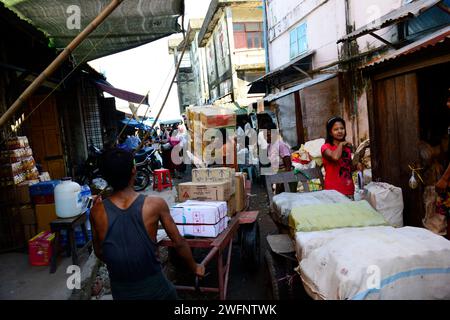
382 263
283 203
133 23
387 200
334 216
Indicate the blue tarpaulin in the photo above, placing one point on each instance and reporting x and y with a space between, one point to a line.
135 124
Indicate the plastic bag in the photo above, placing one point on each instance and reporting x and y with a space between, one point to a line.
314 147
100 184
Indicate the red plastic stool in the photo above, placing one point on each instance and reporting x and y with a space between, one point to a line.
162 179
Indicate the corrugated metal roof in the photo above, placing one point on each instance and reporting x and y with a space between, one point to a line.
307 84
406 11
426 42
133 23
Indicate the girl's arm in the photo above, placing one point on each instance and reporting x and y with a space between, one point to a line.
336 154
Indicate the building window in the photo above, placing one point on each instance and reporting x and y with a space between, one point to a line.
248 35
299 41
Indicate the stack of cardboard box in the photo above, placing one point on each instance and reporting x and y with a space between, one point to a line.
17 163
212 184
42 196
209 201
201 218
201 119
17 173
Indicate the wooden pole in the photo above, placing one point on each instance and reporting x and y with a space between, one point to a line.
63 56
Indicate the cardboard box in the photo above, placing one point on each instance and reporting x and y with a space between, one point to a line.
221 205
23 192
240 191
220 191
218 118
215 175
196 214
27 215
204 231
45 214
19 194
40 249
231 206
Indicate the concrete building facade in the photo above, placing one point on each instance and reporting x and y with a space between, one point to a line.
233 37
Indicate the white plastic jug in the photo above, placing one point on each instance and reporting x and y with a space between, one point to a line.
68 202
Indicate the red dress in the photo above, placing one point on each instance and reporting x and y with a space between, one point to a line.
338 175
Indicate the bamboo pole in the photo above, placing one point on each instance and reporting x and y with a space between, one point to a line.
63 56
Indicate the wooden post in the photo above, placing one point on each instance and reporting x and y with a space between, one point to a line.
63 56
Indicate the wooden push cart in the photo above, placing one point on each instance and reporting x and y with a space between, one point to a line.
245 226
221 247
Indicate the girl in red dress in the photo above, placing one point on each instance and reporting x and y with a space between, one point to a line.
337 159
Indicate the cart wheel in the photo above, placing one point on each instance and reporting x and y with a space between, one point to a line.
250 246
272 277
280 269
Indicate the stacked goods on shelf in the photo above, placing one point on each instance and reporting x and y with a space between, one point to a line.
17 173
17 165
201 218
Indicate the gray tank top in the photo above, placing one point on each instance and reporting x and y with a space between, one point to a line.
128 251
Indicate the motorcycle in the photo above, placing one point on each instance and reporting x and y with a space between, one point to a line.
91 167
147 161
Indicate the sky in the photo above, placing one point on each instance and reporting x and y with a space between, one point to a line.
149 68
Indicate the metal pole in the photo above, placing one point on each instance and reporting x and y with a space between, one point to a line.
63 56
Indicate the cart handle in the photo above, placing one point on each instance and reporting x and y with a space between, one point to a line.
210 256
197 283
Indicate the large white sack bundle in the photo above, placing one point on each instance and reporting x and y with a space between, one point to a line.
387 200
381 263
283 203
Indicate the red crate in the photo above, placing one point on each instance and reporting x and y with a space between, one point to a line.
40 249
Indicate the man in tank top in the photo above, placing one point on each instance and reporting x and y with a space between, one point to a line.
125 230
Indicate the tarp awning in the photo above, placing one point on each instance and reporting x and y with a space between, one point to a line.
406 11
135 124
431 40
133 23
122 94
